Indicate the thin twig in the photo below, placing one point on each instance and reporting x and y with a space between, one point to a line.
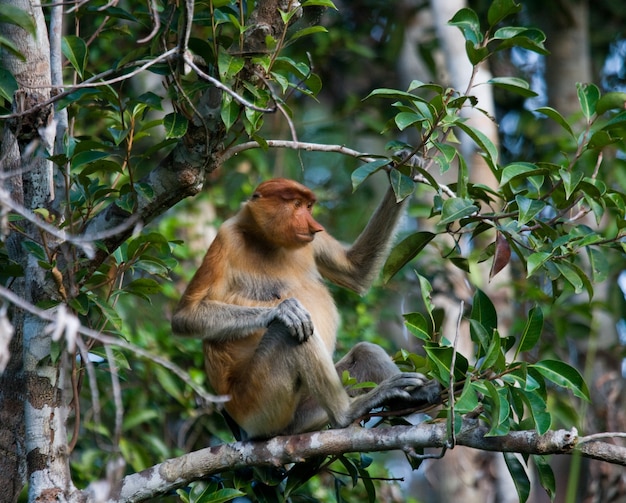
152 8
598 436
240 99
452 439
85 242
50 315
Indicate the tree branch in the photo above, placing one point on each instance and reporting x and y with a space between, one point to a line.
278 451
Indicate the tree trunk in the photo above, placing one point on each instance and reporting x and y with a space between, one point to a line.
33 433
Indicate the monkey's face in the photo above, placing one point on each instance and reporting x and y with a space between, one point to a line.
304 225
286 223
282 210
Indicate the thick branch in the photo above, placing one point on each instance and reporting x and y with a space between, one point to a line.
279 451
181 174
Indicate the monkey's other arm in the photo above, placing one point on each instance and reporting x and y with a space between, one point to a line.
213 320
356 267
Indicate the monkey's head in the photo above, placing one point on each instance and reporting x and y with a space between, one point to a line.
281 211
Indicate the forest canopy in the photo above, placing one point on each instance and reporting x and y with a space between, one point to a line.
131 130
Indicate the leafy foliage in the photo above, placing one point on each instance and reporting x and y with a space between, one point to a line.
535 220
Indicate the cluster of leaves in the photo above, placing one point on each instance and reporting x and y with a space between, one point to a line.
506 395
533 219
345 478
539 211
545 216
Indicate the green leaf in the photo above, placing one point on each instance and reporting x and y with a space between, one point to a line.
143 287
519 169
307 31
494 357
219 496
499 409
301 473
467 21
8 44
599 264
370 489
488 148
169 384
457 208
405 251
476 54
556 117
134 418
406 119
35 249
8 84
571 180
611 101
513 84
441 356
531 39
564 375
537 407
426 290
520 477
480 336
230 111
546 475
19 17
393 94
175 125
532 331
75 50
571 275
588 96
528 208
418 326
468 401
402 185
362 173
448 153
601 139
500 9
319 3
87 157
535 261
484 312
229 66
351 468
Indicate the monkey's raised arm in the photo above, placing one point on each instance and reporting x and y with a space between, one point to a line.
356 267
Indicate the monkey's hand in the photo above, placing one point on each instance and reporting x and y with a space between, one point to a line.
294 317
409 388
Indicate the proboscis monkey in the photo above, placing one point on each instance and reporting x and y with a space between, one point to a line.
269 323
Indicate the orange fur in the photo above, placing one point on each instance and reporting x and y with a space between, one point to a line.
259 345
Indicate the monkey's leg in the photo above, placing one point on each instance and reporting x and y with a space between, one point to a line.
367 362
271 395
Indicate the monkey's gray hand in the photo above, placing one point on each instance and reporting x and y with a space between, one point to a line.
405 386
295 317
409 389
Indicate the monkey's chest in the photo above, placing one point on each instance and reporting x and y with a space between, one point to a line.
309 289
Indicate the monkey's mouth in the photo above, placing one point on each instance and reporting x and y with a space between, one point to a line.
306 236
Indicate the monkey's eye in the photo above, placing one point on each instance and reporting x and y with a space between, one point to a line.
309 205
297 203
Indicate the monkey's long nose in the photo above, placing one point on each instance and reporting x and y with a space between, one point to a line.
314 227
